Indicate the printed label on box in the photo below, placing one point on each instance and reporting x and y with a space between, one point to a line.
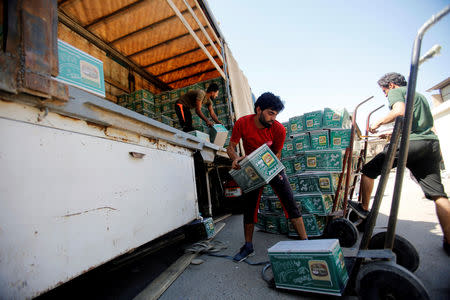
311 162
322 140
337 141
268 159
299 146
251 173
336 117
324 183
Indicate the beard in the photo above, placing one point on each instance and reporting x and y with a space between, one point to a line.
263 122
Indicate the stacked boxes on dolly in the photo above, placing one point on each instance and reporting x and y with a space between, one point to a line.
312 155
161 107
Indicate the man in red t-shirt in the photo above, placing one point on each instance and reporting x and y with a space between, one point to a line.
255 130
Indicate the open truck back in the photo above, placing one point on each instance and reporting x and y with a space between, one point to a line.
84 180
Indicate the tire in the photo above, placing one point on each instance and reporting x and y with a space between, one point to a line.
344 230
387 280
353 217
407 255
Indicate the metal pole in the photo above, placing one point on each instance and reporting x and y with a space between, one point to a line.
404 144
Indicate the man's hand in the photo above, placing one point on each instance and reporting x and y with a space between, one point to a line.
385 136
374 128
235 165
209 123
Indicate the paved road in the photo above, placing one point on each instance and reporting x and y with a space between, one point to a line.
218 278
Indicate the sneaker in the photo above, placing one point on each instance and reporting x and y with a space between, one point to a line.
244 253
358 209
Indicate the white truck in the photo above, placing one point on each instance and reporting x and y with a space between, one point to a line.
82 179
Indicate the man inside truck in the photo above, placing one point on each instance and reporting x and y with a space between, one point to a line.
256 130
196 99
424 154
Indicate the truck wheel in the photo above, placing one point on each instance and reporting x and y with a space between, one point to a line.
387 280
344 230
407 255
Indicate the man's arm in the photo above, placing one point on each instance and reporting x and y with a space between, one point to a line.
198 110
398 110
213 114
232 154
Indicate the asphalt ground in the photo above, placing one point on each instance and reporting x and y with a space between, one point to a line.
220 278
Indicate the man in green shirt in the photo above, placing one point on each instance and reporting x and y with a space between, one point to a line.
424 154
196 99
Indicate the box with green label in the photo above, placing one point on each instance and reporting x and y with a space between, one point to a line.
300 163
293 181
314 225
257 169
199 134
274 204
288 148
263 204
317 203
323 182
267 190
272 222
297 124
142 95
313 120
313 266
336 118
288 164
301 142
218 134
287 127
324 160
340 138
261 222
319 139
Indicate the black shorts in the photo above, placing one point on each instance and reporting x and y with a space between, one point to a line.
424 158
282 188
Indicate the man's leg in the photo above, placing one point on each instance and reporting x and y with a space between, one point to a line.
282 188
248 232
443 214
367 184
300 227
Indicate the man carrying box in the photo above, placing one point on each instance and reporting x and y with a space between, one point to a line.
196 99
255 130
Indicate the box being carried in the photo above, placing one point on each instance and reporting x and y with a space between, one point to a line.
199 134
257 169
313 266
218 134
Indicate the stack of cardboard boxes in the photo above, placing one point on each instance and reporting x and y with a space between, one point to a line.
161 107
313 156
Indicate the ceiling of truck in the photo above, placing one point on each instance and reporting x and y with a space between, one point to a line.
151 35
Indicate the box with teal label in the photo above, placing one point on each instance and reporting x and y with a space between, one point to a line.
313 266
297 124
218 134
317 203
300 163
273 204
324 160
288 148
322 182
319 139
287 127
288 164
313 120
336 118
199 134
257 169
340 138
314 225
80 69
301 142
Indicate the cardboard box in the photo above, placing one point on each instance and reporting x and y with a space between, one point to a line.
340 138
293 181
218 134
313 266
273 204
199 134
142 95
319 139
267 190
80 69
317 203
300 163
320 182
301 142
324 160
272 222
297 124
314 225
257 169
313 120
288 164
288 149
336 118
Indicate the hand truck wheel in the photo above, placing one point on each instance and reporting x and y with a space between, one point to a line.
405 252
344 230
387 280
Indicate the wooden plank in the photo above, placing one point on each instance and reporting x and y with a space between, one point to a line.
158 286
188 27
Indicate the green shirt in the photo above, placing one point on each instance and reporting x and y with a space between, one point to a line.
422 122
190 98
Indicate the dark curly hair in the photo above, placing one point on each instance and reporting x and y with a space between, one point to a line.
395 78
213 87
269 100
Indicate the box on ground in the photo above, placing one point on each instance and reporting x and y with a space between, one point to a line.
218 134
317 203
200 229
313 266
257 169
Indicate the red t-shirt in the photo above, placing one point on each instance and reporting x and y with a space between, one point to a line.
253 137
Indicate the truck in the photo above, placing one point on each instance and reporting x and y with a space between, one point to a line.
84 180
